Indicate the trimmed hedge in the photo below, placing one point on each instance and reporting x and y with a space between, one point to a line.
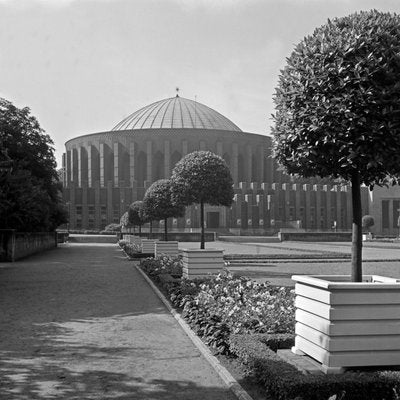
285 382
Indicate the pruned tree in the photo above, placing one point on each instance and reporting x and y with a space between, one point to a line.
136 216
158 205
202 177
368 222
338 110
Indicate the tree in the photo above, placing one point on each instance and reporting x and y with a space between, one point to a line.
202 177
157 203
338 110
136 216
30 192
368 222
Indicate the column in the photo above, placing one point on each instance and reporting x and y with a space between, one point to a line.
167 159
328 205
249 164
317 191
131 162
116 164
149 177
101 164
261 158
235 162
79 151
90 159
219 149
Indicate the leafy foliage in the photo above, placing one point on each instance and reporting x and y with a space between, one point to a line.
136 215
368 221
337 108
30 193
124 220
157 203
202 176
162 265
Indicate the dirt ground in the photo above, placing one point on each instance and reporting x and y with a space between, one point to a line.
79 322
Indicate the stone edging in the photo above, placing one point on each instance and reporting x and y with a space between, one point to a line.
224 374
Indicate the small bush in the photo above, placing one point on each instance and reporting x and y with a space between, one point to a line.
131 249
162 265
285 382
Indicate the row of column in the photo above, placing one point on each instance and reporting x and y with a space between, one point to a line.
89 163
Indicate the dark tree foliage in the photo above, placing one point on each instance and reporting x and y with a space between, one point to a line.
136 215
157 203
30 193
202 177
338 110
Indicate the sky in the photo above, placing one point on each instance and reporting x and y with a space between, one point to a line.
82 66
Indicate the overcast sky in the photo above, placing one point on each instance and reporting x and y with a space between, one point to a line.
82 66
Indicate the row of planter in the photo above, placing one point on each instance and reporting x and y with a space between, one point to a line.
197 263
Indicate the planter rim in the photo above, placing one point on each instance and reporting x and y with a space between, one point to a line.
374 282
202 250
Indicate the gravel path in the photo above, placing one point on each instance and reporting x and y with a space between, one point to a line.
79 322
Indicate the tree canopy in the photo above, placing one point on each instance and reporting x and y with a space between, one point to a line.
338 110
136 215
158 205
30 192
337 102
202 177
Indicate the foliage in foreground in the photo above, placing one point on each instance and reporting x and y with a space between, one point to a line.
30 192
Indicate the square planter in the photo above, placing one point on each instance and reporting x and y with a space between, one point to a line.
148 245
198 263
166 248
343 324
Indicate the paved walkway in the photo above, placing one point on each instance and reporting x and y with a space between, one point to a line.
79 322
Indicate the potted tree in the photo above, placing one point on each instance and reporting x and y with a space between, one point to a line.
157 205
338 116
202 177
367 223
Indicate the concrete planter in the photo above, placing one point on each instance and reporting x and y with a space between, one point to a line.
148 245
166 248
199 263
346 324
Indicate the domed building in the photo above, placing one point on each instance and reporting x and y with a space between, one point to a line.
105 172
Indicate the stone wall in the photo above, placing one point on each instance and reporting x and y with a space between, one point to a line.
17 245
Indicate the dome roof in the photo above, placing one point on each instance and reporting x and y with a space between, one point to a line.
174 113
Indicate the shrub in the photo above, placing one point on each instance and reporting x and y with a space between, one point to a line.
131 249
285 382
162 265
368 221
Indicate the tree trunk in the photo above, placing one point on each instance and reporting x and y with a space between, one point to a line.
165 229
356 249
202 224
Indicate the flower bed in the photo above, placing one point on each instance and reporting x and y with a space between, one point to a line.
217 307
132 250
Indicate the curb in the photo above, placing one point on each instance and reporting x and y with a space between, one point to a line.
223 373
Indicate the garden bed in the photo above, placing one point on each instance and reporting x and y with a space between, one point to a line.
244 323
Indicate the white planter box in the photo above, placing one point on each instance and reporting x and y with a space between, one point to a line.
148 245
166 248
347 324
202 262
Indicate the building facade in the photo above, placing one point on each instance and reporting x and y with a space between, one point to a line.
103 173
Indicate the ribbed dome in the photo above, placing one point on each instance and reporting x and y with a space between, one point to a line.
174 113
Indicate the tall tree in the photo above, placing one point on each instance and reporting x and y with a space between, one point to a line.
338 110
202 177
30 197
158 205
